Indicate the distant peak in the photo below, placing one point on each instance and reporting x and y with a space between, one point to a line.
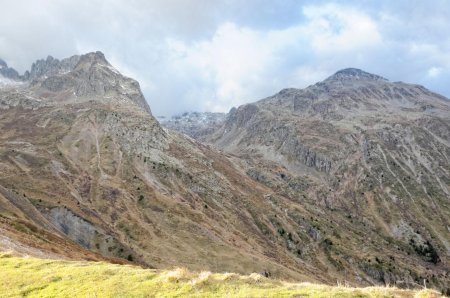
94 57
3 64
355 74
8 72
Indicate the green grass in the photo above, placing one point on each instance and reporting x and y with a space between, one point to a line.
32 277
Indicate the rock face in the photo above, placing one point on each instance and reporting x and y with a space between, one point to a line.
51 67
345 180
85 233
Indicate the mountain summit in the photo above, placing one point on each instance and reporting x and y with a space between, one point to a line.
79 78
91 76
355 74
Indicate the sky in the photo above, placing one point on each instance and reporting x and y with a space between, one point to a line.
212 55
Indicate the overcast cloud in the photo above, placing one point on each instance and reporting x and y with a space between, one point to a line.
205 55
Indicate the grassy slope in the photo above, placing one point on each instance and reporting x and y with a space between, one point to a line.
49 278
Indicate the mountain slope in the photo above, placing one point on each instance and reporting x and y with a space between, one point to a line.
368 157
83 160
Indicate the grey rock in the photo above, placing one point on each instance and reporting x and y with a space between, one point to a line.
314 233
50 67
73 226
85 233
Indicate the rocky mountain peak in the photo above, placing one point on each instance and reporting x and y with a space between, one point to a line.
354 74
93 58
8 72
89 76
44 68
79 77
3 64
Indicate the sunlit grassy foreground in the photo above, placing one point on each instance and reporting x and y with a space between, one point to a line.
49 278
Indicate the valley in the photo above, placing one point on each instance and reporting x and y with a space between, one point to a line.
345 181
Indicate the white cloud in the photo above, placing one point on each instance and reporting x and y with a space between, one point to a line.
230 64
333 28
434 72
240 64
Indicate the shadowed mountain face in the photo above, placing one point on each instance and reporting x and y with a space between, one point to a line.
344 180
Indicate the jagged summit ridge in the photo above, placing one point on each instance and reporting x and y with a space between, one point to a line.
79 77
355 74
50 66
41 68
93 75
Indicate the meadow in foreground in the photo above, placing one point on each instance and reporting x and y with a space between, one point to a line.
32 277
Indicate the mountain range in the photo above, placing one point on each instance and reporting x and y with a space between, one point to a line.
345 180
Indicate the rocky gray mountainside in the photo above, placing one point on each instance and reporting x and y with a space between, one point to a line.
350 101
193 124
369 155
345 180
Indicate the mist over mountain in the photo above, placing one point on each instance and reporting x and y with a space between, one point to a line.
225 54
